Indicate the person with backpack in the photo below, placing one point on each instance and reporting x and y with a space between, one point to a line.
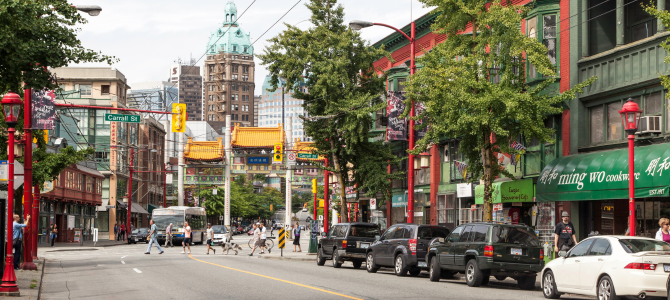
564 234
17 242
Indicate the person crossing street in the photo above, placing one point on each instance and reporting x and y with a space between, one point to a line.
210 238
152 235
187 239
168 236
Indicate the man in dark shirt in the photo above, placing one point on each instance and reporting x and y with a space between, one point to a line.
564 234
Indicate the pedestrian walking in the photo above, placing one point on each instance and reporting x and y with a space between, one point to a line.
187 239
122 232
256 239
210 238
264 238
296 239
53 233
168 236
17 241
272 229
663 233
116 232
564 234
153 234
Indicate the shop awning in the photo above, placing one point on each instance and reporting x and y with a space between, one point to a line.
604 175
137 209
507 191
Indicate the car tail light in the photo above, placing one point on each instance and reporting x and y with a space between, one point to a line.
412 246
344 244
640 266
541 254
488 251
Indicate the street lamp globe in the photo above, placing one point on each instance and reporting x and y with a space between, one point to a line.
92 10
358 25
630 116
11 106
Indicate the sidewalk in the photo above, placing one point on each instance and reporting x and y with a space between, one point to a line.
30 282
288 251
87 244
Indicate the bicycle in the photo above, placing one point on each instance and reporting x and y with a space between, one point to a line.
268 242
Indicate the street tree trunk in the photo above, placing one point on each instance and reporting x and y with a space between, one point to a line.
487 154
336 164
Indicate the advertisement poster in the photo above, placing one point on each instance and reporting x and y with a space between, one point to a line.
44 109
397 127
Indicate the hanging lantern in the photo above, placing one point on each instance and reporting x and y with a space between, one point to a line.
425 160
417 163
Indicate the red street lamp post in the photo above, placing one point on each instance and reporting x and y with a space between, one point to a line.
358 25
630 117
11 106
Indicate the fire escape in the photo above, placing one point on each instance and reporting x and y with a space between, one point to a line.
220 89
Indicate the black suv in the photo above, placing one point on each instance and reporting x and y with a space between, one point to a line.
403 247
481 250
346 241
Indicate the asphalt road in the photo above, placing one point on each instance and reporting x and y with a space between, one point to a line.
124 272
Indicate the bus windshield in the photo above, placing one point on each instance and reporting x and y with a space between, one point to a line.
162 221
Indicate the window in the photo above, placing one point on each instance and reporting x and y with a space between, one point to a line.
479 233
85 89
601 247
389 233
465 236
531 31
614 121
602 25
653 104
639 23
104 89
581 249
596 116
547 35
514 235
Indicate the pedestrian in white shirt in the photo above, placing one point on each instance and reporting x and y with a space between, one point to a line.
257 239
264 238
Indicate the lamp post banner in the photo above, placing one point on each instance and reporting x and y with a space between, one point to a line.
43 109
419 132
396 130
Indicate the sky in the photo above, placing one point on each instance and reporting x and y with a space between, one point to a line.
148 36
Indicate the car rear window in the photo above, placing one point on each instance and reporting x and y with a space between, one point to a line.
514 235
637 245
364 231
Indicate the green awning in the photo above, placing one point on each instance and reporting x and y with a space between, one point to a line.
604 175
507 191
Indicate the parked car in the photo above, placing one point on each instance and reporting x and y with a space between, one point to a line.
482 250
346 242
240 230
219 232
403 247
139 235
617 266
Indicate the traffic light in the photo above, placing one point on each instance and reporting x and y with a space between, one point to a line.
314 186
278 150
178 117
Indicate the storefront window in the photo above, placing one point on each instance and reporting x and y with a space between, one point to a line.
102 221
653 104
613 121
597 124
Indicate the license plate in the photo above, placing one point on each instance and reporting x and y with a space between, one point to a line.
365 245
516 251
666 268
422 264
136 240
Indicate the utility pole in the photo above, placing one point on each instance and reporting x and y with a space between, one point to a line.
227 152
289 172
180 169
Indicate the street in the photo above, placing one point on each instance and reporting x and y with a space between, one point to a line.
124 272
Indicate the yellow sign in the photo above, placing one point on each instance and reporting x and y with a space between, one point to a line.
320 203
178 117
282 238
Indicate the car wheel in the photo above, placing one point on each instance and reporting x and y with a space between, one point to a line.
400 269
473 275
320 259
357 264
370 263
606 289
415 271
435 271
336 259
549 286
500 277
526 282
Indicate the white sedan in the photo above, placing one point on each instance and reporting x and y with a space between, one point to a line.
610 267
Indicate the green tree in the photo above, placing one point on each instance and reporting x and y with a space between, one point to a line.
335 65
474 85
35 35
663 16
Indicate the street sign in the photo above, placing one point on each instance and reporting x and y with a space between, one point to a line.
220 218
18 172
307 155
122 118
320 217
290 159
373 203
282 238
4 170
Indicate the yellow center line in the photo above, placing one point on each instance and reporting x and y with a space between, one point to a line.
277 279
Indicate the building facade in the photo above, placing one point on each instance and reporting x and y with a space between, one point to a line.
188 80
277 106
153 95
229 74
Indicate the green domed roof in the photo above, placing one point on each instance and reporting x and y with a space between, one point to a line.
230 38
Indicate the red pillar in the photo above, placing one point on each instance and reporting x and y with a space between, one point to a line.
389 205
326 205
435 172
35 218
9 277
130 192
631 183
28 182
410 175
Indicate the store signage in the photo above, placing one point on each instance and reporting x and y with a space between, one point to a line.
258 160
396 130
497 207
399 201
464 190
507 191
473 207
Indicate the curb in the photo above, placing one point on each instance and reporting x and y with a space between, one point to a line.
39 291
287 258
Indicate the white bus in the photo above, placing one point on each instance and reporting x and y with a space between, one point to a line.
177 215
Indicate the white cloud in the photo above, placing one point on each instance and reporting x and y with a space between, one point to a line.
148 36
